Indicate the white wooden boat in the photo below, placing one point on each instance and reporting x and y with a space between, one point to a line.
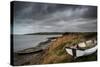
78 52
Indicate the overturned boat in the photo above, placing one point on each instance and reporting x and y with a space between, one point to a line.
82 49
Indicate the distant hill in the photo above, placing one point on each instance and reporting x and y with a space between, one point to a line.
45 33
63 33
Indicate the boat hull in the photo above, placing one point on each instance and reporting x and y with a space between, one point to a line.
80 52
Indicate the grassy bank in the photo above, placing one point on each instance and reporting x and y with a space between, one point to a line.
56 51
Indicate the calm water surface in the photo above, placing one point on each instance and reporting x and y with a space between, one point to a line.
26 41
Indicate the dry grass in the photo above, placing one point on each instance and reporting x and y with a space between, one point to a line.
56 52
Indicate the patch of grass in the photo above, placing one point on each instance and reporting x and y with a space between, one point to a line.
61 46
57 52
60 52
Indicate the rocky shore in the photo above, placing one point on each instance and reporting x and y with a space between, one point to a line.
31 55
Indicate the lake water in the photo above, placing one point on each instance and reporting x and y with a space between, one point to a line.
27 41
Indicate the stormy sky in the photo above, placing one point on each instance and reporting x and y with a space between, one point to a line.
30 17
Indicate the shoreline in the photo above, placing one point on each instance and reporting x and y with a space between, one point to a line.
28 56
40 46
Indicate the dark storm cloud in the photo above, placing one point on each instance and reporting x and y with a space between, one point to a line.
42 17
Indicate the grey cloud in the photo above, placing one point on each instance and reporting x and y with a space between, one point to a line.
39 17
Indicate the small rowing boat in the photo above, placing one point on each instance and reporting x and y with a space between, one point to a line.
83 49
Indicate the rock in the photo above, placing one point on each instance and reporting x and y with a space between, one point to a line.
29 50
